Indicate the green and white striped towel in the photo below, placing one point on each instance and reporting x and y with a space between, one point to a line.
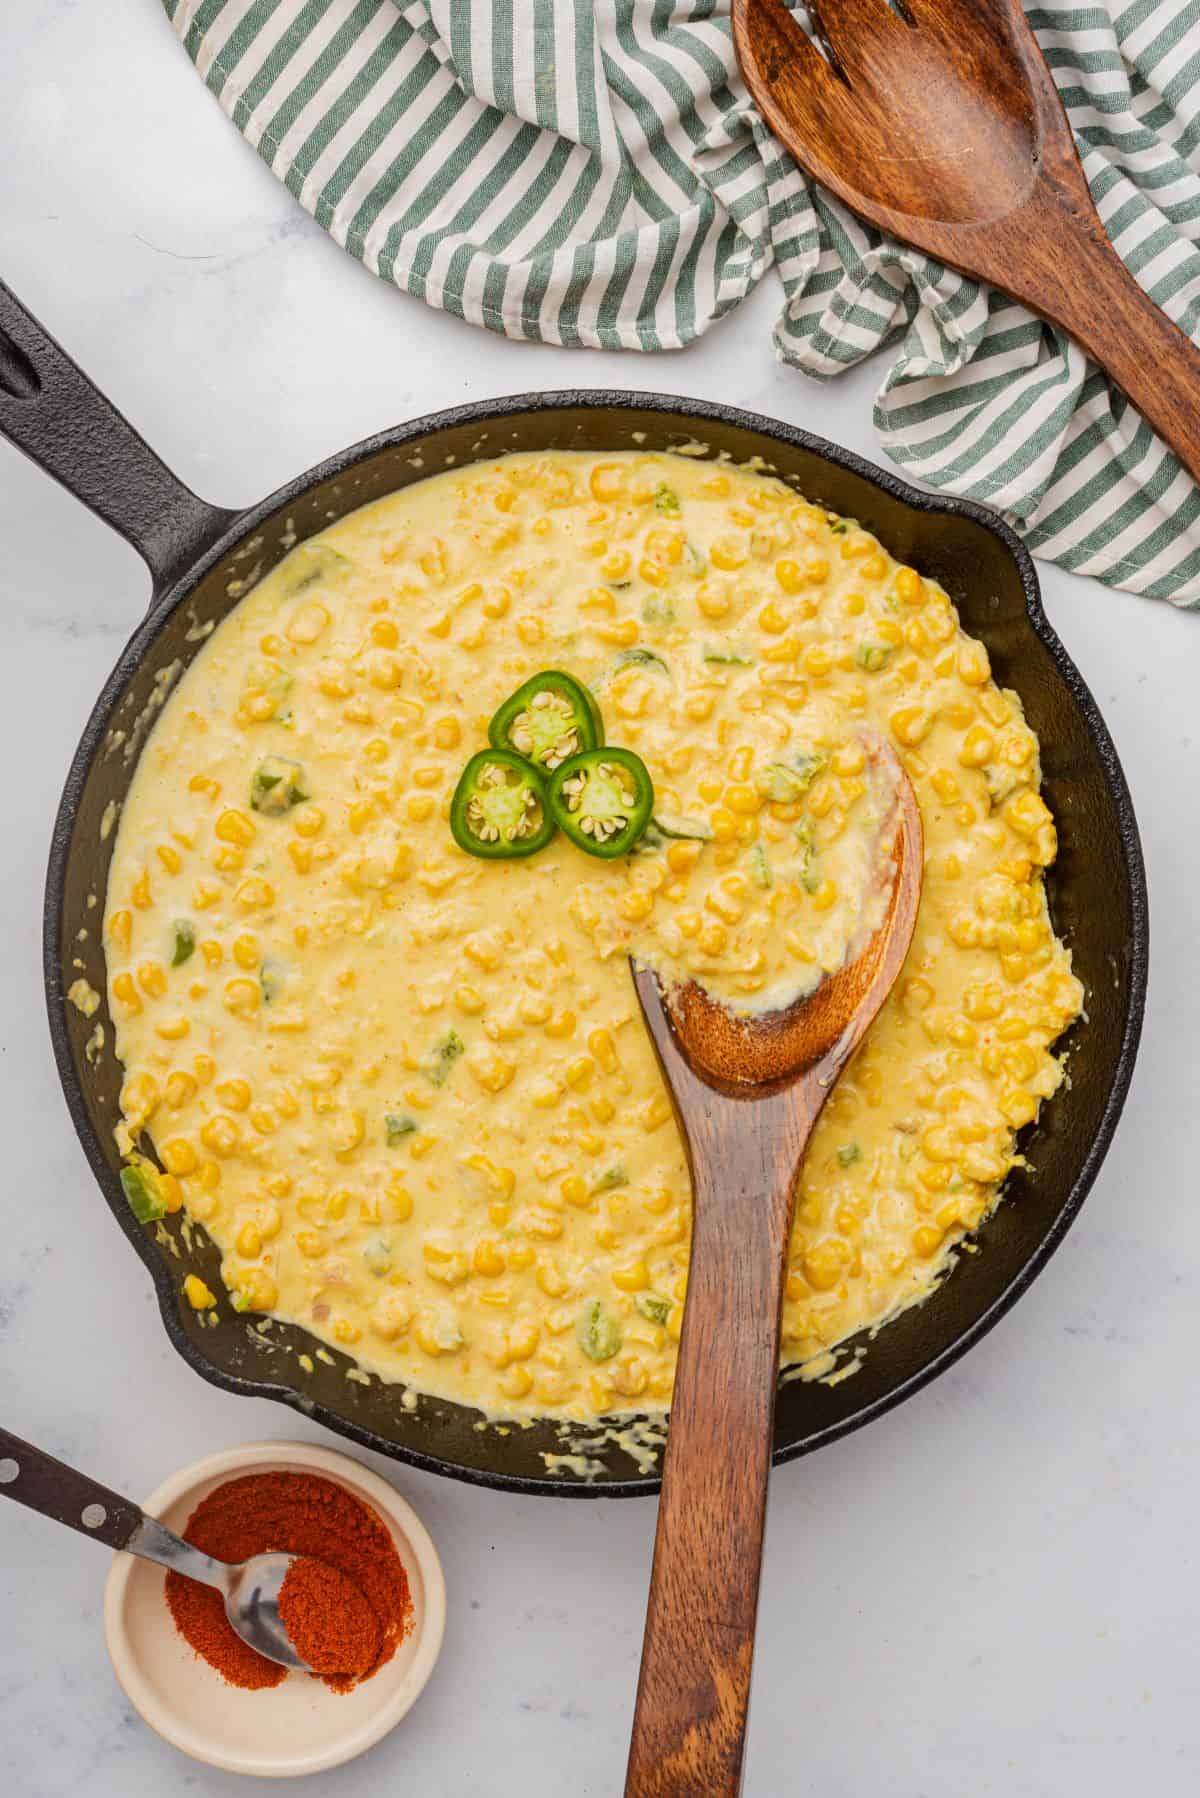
594 175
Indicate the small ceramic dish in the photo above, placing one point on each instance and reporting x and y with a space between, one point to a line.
299 1726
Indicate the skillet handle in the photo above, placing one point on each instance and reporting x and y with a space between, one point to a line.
50 409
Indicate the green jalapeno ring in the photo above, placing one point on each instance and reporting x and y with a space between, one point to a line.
500 809
602 799
550 716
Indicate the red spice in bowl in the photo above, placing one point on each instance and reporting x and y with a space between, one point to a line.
344 1635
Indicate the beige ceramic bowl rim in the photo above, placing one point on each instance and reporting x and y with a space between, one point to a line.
430 1624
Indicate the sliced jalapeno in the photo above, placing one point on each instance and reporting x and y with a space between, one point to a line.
499 808
602 800
547 719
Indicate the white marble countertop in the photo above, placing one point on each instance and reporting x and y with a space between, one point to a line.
993 1590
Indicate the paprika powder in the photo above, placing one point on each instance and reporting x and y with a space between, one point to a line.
347 1608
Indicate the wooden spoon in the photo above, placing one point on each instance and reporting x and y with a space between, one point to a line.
942 126
747 1092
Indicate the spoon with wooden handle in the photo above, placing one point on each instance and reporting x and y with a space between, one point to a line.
940 124
748 1092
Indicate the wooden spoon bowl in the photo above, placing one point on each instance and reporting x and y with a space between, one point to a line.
941 125
747 1093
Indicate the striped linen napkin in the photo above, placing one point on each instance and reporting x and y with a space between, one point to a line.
594 175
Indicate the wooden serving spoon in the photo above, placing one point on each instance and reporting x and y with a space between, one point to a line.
747 1093
941 125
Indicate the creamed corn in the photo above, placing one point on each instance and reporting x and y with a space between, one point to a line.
408 1093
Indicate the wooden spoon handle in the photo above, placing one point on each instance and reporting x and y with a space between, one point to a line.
693 1693
38 1480
1105 309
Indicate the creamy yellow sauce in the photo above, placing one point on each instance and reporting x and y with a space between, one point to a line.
408 1092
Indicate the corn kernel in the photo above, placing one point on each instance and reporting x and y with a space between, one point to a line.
198 1295
152 979
927 1240
908 586
487 1259
712 601
910 725
237 828
607 481
255 893
178 1156
242 997
637 905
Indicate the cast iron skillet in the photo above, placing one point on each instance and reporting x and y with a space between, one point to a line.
195 552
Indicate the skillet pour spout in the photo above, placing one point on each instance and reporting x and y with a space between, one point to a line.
201 559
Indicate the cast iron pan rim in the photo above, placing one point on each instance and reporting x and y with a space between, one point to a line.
489 412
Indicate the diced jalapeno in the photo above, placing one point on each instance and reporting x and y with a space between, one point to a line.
499 809
874 657
276 786
377 1253
658 610
443 1057
598 1334
140 1185
641 657
277 692
726 658
271 977
312 563
666 501
785 782
547 719
183 935
603 800
1000 781
653 1307
397 1126
760 867
617 1175
447 1334
848 1154
810 880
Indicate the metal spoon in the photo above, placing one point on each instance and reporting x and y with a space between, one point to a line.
250 1588
748 1092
